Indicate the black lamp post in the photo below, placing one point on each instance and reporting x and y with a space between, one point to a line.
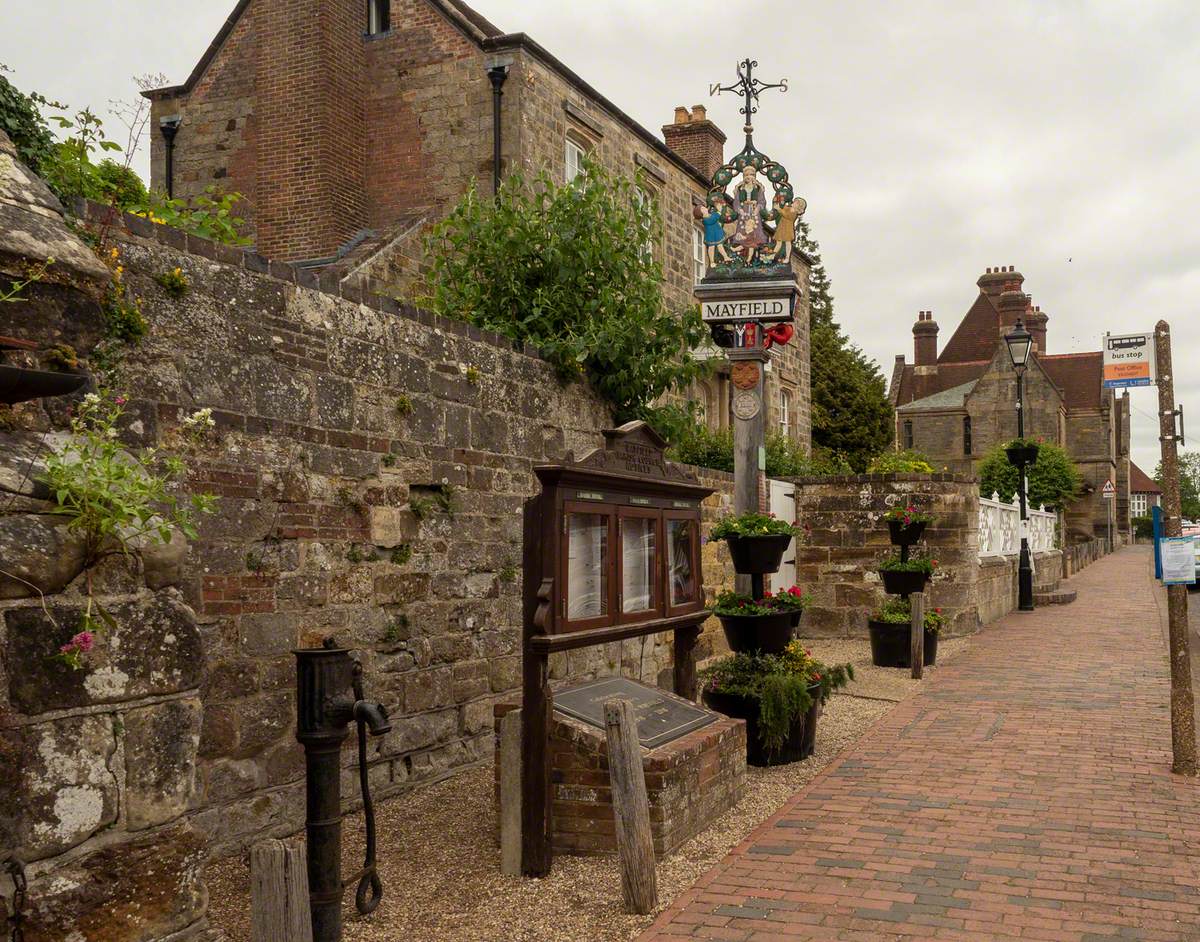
1020 344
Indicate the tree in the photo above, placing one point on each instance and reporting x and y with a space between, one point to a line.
567 268
1189 483
21 119
1053 479
851 414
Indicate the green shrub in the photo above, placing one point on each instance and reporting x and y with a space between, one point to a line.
1053 479
21 119
1143 528
900 462
564 267
209 216
699 445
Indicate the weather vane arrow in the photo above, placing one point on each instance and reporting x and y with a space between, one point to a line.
749 87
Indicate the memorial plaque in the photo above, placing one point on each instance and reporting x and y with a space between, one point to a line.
661 717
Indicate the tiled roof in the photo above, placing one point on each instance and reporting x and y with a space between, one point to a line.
1078 375
1140 482
915 385
952 398
977 335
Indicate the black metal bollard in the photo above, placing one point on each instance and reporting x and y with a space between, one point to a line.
329 698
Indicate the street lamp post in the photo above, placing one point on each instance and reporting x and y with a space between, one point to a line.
1020 343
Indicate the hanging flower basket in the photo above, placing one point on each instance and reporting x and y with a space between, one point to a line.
768 634
901 582
905 535
1022 455
757 555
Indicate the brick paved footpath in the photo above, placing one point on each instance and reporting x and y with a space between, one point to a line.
1024 793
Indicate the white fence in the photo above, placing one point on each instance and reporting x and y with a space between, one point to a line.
1000 528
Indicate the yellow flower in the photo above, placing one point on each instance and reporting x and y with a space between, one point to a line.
115 253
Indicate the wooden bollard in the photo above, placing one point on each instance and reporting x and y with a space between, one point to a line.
279 909
510 793
631 808
917 647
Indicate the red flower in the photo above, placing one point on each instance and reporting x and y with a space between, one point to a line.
816 676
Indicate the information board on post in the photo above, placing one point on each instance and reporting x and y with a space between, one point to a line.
1178 560
1129 360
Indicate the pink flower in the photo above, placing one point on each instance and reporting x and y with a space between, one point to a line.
84 641
120 400
67 648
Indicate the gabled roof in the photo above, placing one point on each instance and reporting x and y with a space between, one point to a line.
1140 482
953 398
914 386
1078 375
489 38
977 335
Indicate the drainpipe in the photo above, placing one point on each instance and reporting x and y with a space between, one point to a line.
497 74
169 128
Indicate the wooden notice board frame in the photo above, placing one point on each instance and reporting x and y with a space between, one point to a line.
628 478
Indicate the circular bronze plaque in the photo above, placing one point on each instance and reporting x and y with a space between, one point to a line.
744 375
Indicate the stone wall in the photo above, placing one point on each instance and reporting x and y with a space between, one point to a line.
371 462
847 539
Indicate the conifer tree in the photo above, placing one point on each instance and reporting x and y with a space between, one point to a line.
851 414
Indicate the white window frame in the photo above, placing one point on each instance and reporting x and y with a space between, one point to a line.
644 194
573 154
699 254
1140 505
785 412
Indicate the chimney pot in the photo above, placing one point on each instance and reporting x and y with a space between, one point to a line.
925 334
681 115
696 139
699 113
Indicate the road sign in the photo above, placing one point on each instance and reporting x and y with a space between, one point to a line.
1109 491
1129 360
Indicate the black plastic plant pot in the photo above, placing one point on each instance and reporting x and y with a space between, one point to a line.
902 582
757 555
769 634
1022 455
891 644
905 535
747 708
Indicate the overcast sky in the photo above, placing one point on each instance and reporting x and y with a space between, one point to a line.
931 140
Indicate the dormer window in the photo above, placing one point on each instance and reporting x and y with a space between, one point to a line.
379 17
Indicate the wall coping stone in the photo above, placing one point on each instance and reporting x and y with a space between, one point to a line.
891 477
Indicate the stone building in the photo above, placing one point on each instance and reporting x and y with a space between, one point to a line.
956 404
350 126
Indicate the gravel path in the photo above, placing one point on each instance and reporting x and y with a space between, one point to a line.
441 867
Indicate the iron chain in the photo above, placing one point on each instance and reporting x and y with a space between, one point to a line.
16 870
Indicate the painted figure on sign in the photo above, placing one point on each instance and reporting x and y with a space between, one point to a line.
785 230
750 204
714 235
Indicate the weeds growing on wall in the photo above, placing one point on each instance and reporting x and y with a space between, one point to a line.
117 501
566 268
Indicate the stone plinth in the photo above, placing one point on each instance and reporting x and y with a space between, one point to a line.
690 783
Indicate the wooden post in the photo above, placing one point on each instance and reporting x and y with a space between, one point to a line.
917 648
631 807
685 661
537 705
510 793
1183 721
279 909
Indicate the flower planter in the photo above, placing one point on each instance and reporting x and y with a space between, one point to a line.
757 555
801 738
891 644
766 633
905 535
21 385
902 582
1022 455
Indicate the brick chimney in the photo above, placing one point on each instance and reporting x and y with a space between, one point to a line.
1035 322
925 335
310 185
696 139
993 281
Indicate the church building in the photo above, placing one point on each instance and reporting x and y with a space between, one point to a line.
957 403
350 126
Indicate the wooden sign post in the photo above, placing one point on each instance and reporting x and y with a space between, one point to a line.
917 643
612 551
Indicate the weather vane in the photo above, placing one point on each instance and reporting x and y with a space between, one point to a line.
748 86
